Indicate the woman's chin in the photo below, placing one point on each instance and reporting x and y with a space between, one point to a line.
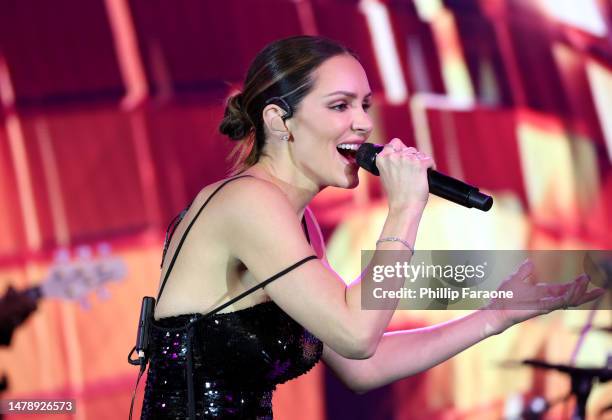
346 175
351 179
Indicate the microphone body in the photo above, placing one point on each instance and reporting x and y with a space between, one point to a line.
440 184
144 323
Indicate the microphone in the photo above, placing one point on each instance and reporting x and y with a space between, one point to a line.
441 185
144 324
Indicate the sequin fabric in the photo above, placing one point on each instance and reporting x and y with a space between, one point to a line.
238 359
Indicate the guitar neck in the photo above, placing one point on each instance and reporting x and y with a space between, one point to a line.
74 281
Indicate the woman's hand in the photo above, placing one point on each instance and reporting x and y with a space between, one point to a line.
403 174
531 299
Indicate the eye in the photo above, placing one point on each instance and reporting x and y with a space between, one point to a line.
340 107
367 106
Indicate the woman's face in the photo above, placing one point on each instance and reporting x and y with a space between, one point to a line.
333 113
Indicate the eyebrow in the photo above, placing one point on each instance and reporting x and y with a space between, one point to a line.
347 93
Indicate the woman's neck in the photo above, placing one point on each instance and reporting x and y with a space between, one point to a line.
298 189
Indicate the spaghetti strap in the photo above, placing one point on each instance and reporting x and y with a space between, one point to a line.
260 285
180 245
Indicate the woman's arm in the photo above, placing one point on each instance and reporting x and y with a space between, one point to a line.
404 353
271 239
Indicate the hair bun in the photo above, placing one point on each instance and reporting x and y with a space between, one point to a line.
236 123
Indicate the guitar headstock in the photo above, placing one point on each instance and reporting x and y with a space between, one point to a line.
74 277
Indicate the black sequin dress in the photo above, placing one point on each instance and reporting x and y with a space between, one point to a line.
225 365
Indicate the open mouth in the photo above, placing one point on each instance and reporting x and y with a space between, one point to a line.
348 151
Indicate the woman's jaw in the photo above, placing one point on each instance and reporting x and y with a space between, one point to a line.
334 168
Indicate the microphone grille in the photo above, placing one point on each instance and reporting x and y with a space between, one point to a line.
366 157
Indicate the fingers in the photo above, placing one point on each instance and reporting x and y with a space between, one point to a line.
575 293
394 149
547 298
420 158
580 294
525 271
400 165
572 294
397 147
590 296
580 287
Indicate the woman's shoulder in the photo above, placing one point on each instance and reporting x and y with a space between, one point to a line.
239 194
233 208
248 210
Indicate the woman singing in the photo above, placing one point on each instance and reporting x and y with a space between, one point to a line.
302 113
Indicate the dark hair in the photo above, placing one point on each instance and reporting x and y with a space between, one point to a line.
282 74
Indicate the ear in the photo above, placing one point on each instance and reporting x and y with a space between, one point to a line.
272 117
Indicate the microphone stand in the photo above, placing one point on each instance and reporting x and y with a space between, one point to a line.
581 385
582 382
581 378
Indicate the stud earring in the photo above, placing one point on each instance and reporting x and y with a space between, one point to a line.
285 137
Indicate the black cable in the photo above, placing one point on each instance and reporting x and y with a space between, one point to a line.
143 367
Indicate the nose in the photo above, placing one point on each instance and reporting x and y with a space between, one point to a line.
362 123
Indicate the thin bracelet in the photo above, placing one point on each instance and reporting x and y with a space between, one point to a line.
395 239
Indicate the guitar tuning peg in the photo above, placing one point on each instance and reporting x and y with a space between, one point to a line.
62 255
84 252
120 267
104 249
69 290
85 304
103 293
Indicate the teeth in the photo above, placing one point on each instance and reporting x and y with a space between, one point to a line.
348 146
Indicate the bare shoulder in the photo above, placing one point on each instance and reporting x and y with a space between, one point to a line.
228 194
251 199
246 211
